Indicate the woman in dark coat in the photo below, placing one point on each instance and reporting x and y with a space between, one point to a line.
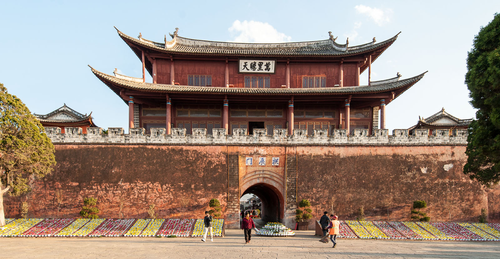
247 225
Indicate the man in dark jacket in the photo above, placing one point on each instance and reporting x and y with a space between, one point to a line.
208 226
324 222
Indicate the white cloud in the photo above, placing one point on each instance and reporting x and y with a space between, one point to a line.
379 16
252 31
354 33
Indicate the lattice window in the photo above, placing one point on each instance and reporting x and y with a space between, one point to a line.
200 80
313 81
257 82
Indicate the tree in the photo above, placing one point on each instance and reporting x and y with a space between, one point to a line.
26 153
483 81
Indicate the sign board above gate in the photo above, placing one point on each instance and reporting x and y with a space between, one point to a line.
257 66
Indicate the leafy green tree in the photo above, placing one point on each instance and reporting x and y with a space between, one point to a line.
483 81
26 153
89 209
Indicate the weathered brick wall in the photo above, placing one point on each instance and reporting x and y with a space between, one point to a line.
180 180
385 180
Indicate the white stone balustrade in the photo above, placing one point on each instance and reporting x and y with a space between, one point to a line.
259 136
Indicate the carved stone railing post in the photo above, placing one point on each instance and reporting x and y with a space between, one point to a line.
239 136
380 136
420 136
94 135
115 135
157 135
219 135
359 136
178 135
54 133
260 136
137 135
279 135
299 136
441 136
339 136
399 136
320 136
73 135
199 136
459 136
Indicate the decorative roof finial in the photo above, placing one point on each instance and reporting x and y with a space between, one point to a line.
330 34
116 71
398 74
374 40
140 35
176 33
347 42
442 110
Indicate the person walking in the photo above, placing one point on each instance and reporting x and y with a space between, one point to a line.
207 221
247 226
334 230
324 221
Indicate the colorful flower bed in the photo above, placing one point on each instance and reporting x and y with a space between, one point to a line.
345 231
69 230
404 230
88 228
467 234
391 232
176 227
479 232
199 227
152 228
275 229
434 231
452 234
47 227
121 227
495 226
423 233
18 226
358 229
137 228
374 231
486 228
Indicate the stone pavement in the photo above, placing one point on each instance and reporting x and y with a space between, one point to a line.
303 245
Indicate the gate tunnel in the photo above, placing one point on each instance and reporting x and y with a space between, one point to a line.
272 209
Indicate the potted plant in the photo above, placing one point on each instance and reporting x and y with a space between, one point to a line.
303 215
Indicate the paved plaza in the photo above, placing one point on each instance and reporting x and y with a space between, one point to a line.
303 245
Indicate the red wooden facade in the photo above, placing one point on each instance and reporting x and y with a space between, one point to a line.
198 84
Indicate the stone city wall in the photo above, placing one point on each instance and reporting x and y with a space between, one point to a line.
180 177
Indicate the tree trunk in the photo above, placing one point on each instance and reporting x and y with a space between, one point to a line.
2 214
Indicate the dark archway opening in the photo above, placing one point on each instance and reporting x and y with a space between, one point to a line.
271 202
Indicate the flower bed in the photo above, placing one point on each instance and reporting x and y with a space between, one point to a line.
69 230
423 233
391 232
434 231
345 231
404 230
199 226
18 226
495 226
275 229
121 227
137 228
358 229
47 227
467 234
488 229
88 228
374 231
176 227
152 228
478 232
452 234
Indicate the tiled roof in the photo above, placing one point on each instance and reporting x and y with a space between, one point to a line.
164 88
441 119
325 48
63 114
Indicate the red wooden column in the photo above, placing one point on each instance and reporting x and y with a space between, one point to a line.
131 113
172 71
341 71
143 68
288 73
225 115
227 73
382 114
154 71
348 116
290 116
169 115
370 70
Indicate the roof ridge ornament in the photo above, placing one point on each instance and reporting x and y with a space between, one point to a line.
347 44
374 40
140 36
331 36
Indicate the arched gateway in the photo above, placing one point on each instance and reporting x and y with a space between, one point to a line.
268 186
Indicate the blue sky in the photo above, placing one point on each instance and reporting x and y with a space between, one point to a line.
45 46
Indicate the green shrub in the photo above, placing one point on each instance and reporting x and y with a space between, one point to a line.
303 214
216 210
89 209
152 211
418 215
